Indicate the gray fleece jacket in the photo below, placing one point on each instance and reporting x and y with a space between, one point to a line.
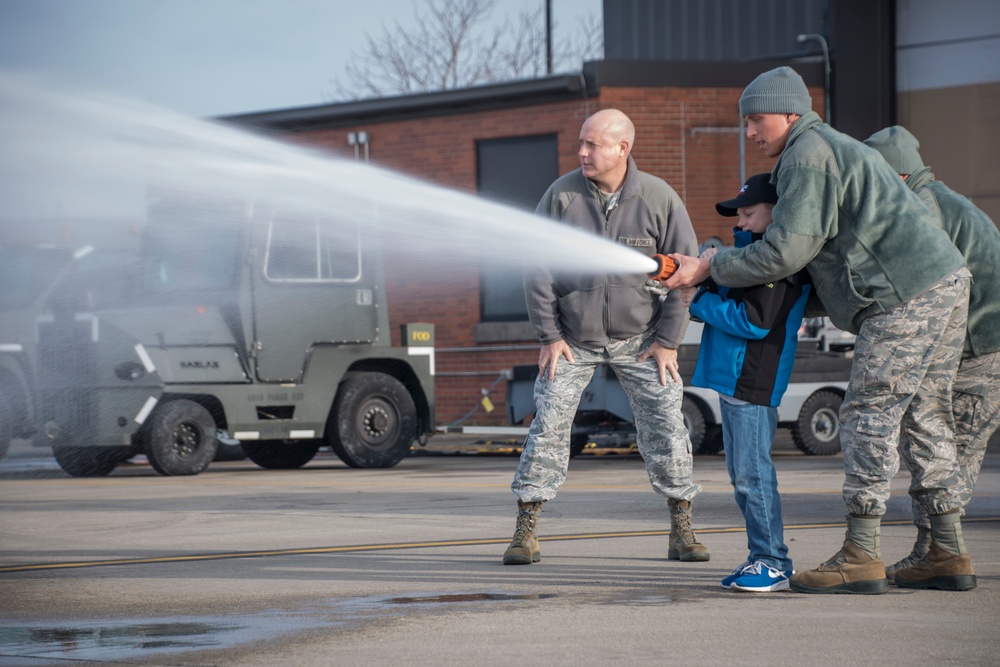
868 242
593 309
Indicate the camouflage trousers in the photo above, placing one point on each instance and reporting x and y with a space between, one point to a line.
904 367
662 437
975 404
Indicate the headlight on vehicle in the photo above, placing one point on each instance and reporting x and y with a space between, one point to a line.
129 371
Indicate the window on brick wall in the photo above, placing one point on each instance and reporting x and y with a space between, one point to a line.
515 171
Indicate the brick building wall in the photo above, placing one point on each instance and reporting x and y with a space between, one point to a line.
687 136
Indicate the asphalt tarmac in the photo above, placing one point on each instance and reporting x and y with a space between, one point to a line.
328 565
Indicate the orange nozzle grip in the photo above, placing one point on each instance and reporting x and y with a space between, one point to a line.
665 267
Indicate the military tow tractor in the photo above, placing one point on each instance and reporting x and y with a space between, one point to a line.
219 319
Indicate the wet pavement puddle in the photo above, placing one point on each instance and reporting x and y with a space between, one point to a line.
109 640
129 638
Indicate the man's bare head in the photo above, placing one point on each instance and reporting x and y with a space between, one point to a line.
606 140
615 124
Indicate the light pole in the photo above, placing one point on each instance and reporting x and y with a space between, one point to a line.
826 68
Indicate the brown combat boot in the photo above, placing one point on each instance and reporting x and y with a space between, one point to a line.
850 570
939 569
523 549
683 544
920 548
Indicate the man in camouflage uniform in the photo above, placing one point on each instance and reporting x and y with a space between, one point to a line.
884 272
583 320
976 392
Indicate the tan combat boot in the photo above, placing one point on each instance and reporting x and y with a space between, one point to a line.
523 549
920 548
947 565
939 569
853 569
683 544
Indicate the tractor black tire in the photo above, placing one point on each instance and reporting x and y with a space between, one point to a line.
696 424
712 443
89 461
281 454
373 421
180 438
817 430
230 452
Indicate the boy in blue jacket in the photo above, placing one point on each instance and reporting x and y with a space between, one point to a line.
747 350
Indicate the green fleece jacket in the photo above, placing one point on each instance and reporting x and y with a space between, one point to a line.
868 242
975 235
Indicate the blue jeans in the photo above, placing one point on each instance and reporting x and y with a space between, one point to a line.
747 435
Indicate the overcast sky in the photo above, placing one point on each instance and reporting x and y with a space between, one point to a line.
212 57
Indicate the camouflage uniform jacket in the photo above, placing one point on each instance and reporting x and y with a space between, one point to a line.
591 309
975 235
868 242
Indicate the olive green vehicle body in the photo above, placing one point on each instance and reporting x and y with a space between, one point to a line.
245 323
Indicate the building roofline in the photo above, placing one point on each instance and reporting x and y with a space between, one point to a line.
476 98
582 85
695 73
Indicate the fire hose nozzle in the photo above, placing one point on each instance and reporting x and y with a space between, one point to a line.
665 268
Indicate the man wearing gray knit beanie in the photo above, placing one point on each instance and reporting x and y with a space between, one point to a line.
883 271
781 88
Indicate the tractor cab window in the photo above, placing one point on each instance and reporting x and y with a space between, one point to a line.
192 246
312 249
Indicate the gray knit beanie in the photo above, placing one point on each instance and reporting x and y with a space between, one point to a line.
899 148
780 90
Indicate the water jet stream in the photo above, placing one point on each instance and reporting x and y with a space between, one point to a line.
82 157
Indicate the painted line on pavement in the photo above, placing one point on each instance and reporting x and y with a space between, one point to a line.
35 567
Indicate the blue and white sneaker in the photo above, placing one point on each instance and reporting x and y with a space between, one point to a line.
759 577
737 571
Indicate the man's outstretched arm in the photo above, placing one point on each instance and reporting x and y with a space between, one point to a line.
690 271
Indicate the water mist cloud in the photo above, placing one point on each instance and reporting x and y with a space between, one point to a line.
72 155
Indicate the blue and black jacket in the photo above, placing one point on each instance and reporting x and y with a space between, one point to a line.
751 334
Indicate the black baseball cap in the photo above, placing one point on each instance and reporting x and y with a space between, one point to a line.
757 190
